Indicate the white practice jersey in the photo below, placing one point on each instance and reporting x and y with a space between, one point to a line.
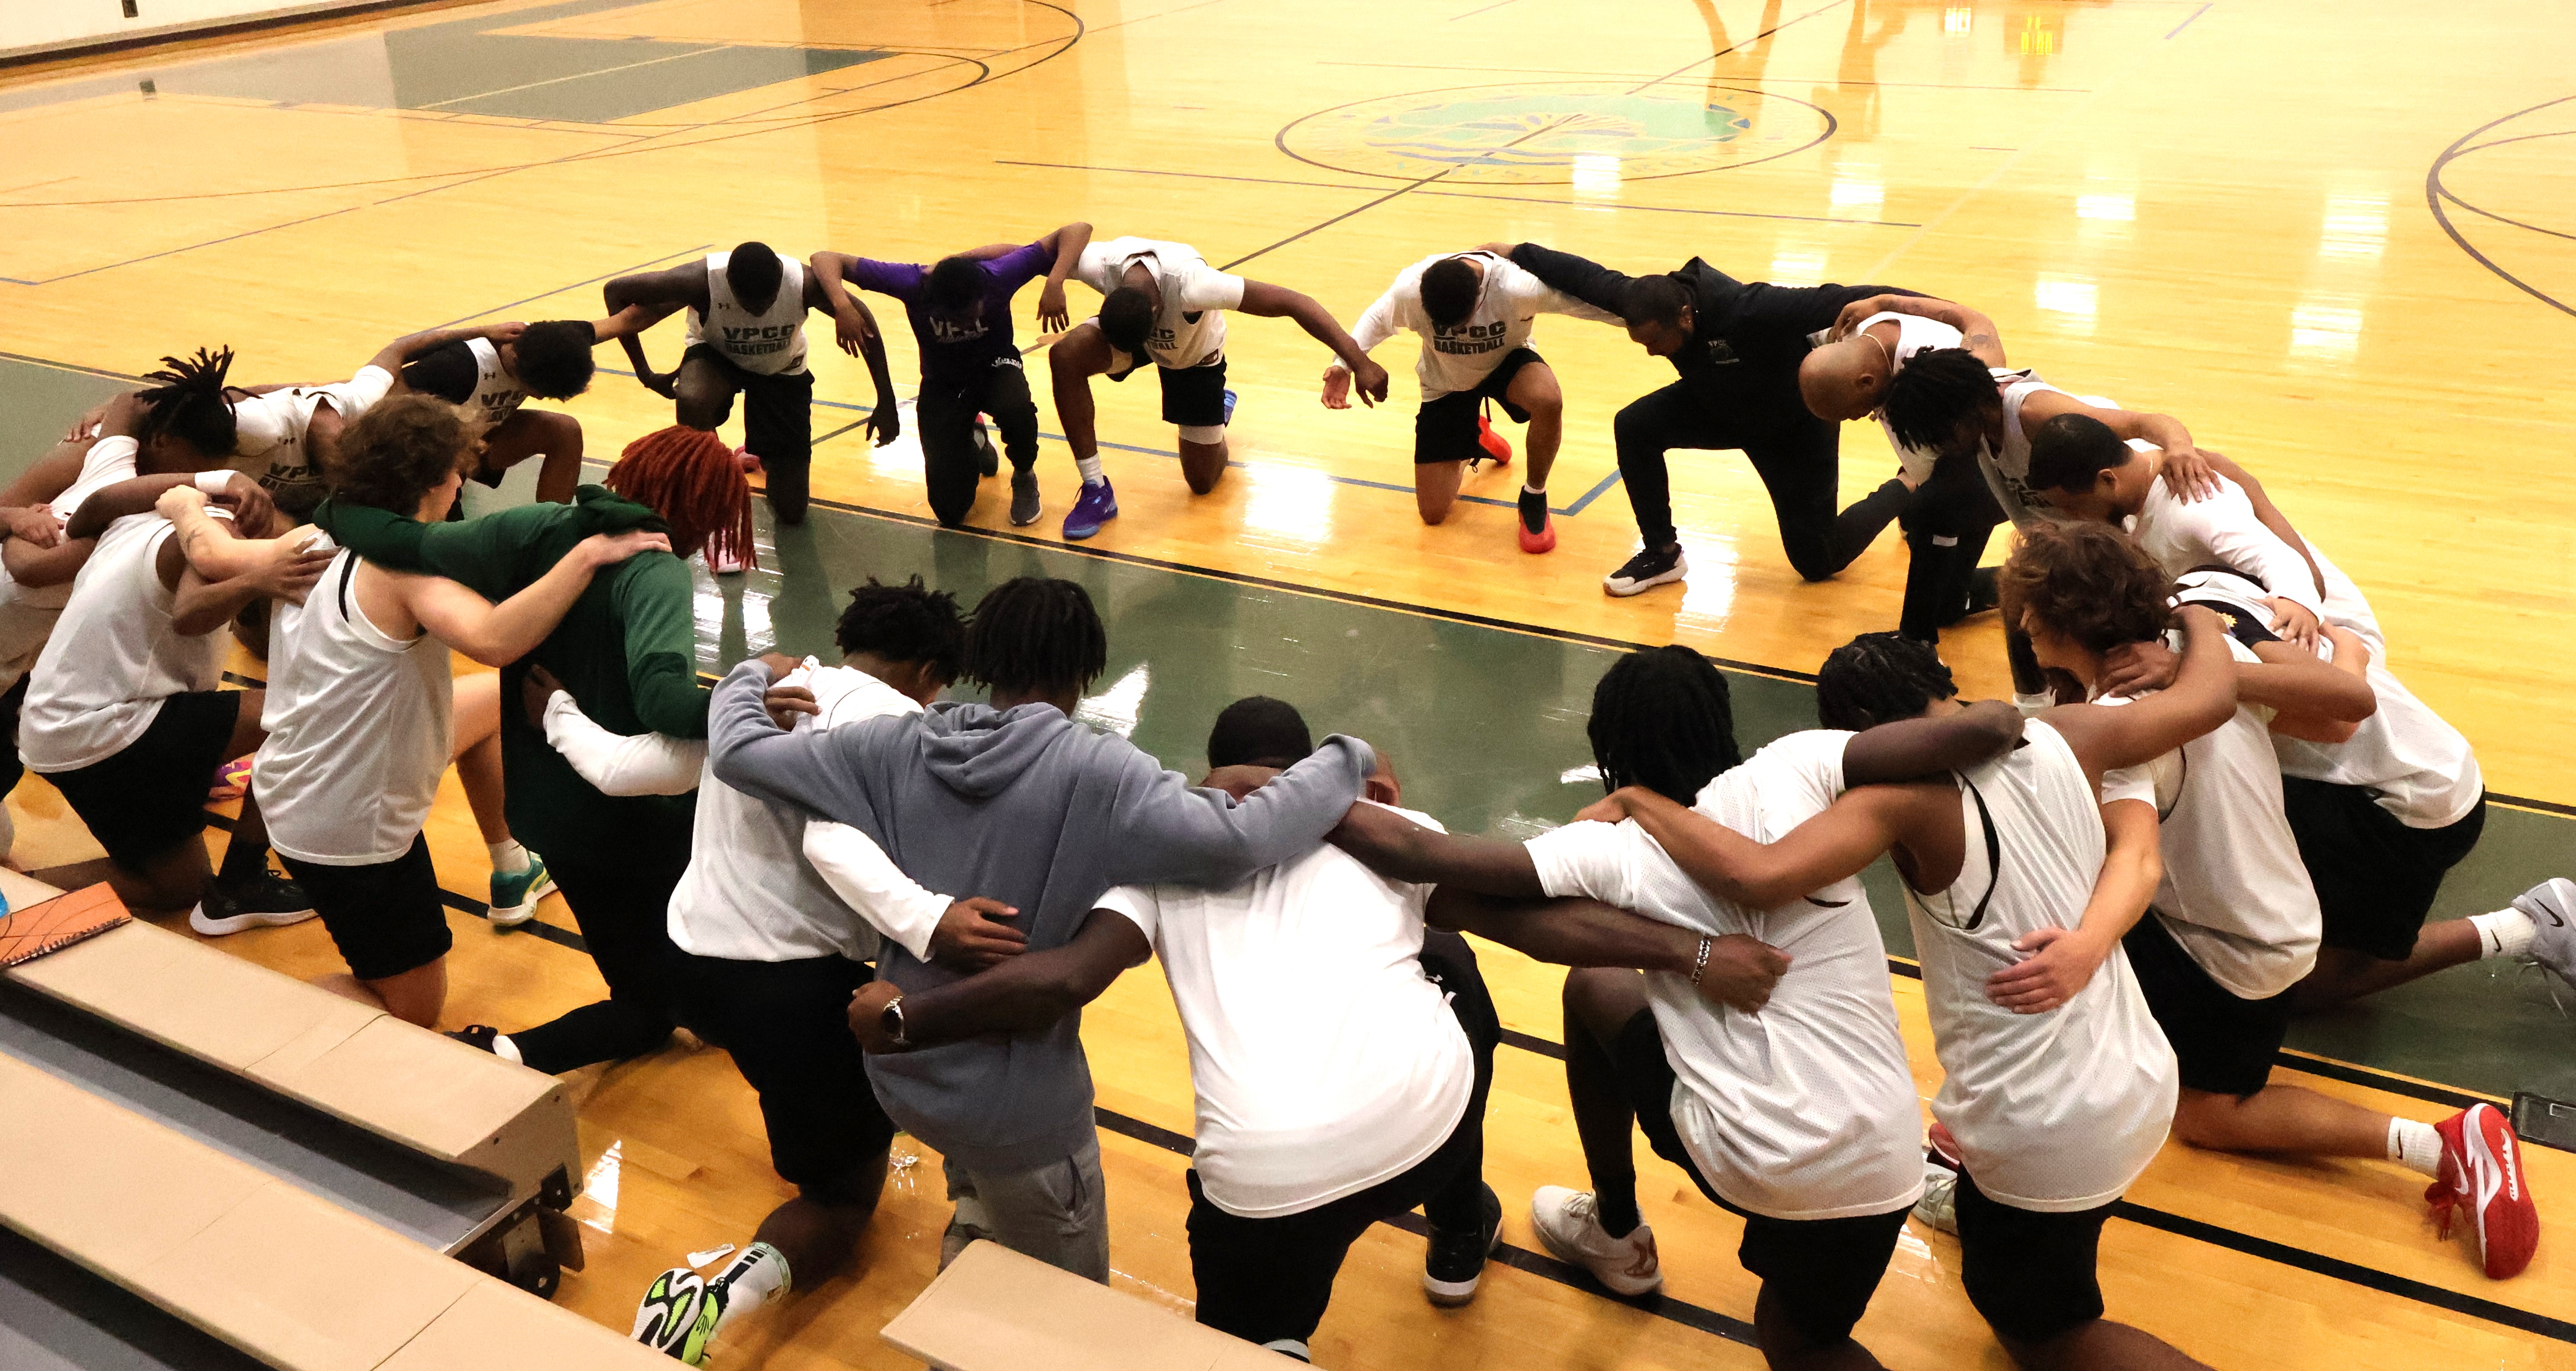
114 656
269 446
27 613
1189 328
2235 894
361 725
1914 334
497 394
2221 530
771 343
2007 470
2413 763
1455 359
2055 1112
1324 1061
1807 1109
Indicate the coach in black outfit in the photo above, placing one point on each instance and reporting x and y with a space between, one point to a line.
1737 345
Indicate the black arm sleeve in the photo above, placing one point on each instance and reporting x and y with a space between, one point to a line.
1580 277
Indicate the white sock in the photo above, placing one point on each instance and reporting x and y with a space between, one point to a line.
1528 489
507 1050
2032 704
1092 474
508 858
756 1277
2505 933
2415 1146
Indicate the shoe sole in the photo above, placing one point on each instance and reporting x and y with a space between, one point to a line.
1625 1286
1641 587
242 923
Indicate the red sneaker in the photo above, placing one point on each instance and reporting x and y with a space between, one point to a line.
1495 445
1945 1148
1542 541
2482 1175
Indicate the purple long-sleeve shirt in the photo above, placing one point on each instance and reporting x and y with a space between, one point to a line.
957 352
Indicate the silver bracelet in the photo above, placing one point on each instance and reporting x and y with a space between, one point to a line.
1699 963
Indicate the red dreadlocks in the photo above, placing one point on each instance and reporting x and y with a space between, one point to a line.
690 478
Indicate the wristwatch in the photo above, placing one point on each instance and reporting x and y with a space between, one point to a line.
890 1019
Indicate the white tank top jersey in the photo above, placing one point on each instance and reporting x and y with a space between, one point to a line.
360 727
114 656
1806 1110
771 343
1189 328
748 894
497 394
2008 470
2054 1112
2235 894
1460 358
269 430
27 613
2413 763
1914 334
1323 1059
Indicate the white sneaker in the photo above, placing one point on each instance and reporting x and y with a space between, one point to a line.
1570 1224
1939 1207
2551 907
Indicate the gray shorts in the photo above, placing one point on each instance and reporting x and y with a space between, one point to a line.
1058 1213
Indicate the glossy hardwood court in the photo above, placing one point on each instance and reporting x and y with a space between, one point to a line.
2334 242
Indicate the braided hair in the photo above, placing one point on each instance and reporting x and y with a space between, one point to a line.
185 401
1661 719
1934 392
690 478
1035 634
905 623
1878 678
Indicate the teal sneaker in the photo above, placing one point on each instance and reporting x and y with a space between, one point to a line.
514 898
678 1315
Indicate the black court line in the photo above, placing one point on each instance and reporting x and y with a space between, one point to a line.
2435 193
2187 23
621 271
1766 78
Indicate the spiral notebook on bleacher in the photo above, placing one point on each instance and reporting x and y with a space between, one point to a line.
29 933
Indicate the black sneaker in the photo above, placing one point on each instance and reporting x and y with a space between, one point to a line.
266 901
1024 498
477 1036
988 462
1651 567
1456 1261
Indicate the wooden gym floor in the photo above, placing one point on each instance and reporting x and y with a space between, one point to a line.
2333 243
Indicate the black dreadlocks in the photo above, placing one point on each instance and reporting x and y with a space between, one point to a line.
1933 392
185 401
1661 719
1879 678
1036 634
905 623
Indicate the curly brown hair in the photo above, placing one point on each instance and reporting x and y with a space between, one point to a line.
2086 583
399 451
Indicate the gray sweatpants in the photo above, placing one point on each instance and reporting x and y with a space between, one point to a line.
1058 1213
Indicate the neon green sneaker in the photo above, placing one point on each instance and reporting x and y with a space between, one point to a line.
514 898
679 1314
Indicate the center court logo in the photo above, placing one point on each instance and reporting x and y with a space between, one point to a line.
1557 133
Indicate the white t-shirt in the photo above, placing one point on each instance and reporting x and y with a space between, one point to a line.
1806 1110
2054 1112
1455 359
360 724
1914 334
1189 328
114 656
748 893
770 343
2414 764
1324 1060
2221 529
268 445
2235 894
27 613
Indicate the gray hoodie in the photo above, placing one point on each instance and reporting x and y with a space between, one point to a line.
1043 814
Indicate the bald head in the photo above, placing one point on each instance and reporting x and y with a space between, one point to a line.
1844 380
